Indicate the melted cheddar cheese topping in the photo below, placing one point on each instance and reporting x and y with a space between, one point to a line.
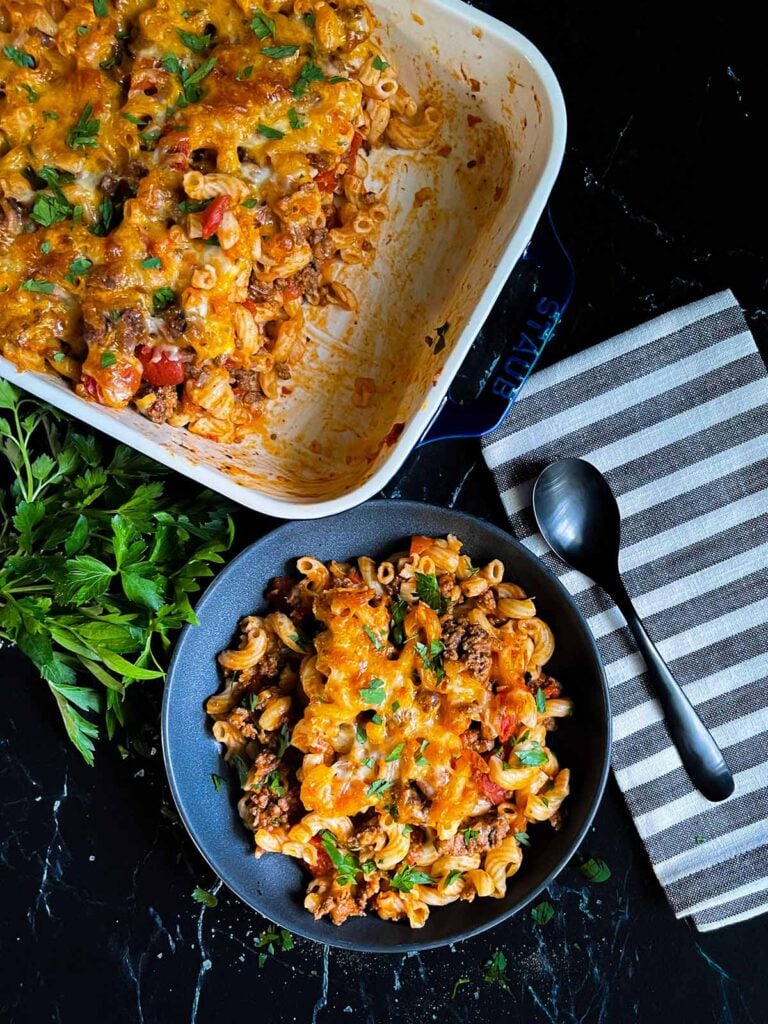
176 183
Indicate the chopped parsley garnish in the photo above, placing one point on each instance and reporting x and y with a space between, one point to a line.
79 268
406 877
432 659
162 299
469 834
360 734
19 57
377 719
151 263
245 74
274 783
533 757
100 8
541 701
523 838
194 205
699 840
59 357
262 25
395 706
50 208
336 79
309 73
273 941
394 754
45 248
407 829
108 359
457 985
217 781
283 739
345 863
374 692
250 202
82 135
294 120
310 19
543 913
201 895
420 759
379 64
428 591
279 52
49 115
32 96
397 618
34 285
595 870
378 787
368 762
140 122
270 133
373 638
451 877
190 81
496 970
368 866
242 770
193 41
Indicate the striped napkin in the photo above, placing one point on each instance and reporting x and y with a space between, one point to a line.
675 414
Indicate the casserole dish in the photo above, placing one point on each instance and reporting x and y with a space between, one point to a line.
461 215
275 885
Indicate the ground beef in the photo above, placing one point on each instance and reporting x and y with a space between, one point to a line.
322 245
126 332
446 583
246 386
470 643
173 324
342 905
308 280
551 687
290 597
487 602
283 371
473 739
241 720
416 804
260 291
491 830
165 404
264 807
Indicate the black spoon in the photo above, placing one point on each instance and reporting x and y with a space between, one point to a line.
579 519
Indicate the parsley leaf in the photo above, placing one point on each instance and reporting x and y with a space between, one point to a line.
420 759
193 41
294 120
78 268
34 285
19 57
346 864
379 64
406 877
397 620
378 787
279 52
432 658
374 692
469 834
523 838
595 870
541 701
107 359
373 638
205 897
533 756
360 734
100 8
263 26
495 972
452 876
428 591
82 135
270 133
394 754
162 299
457 985
217 781
309 73
151 263
543 913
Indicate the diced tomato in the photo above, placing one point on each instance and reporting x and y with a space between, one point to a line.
327 181
506 725
91 386
322 865
161 372
420 544
292 290
214 215
491 790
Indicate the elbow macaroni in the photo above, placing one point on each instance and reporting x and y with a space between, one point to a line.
168 205
394 746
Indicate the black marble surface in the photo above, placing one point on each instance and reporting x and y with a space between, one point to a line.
660 201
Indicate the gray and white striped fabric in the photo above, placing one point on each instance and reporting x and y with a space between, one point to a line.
675 413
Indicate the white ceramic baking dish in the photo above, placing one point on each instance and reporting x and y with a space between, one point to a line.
461 218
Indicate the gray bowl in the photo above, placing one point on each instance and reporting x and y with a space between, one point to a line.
275 885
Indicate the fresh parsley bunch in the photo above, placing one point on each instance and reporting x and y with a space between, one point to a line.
97 561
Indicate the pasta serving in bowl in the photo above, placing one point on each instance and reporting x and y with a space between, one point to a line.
178 184
390 732
390 723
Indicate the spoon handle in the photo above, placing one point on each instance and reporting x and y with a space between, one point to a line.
700 754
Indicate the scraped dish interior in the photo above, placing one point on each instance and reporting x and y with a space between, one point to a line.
461 214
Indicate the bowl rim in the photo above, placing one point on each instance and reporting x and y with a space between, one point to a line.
407 945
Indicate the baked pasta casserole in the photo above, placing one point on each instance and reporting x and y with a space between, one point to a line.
179 179
389 723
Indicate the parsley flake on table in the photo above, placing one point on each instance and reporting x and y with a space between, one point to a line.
495 970
594 870
457 985
217 781
271 942
543 913
205 897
